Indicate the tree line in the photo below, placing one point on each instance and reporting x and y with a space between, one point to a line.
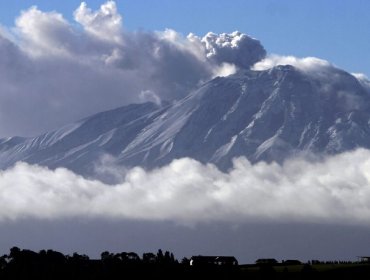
50 264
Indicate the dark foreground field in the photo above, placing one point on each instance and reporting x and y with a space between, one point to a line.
26 264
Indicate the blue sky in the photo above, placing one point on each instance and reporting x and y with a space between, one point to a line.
337 31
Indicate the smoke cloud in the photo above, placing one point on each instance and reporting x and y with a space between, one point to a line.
334 190
69 70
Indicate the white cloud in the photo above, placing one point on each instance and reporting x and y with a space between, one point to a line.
334 190
360 76
44 32
150 96
363 79
190 43
308 64
105 24
224 70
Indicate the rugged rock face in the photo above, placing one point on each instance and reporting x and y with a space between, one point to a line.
263 115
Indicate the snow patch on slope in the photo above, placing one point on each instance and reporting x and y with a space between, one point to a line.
224 150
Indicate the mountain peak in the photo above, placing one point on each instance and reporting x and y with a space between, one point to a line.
262 115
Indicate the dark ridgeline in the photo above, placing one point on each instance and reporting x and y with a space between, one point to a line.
49 264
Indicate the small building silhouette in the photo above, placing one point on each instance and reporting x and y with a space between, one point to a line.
364 259
213 260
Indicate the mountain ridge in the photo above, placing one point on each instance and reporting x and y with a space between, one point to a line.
266 115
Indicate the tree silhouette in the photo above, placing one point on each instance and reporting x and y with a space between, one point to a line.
106 256
160 256
149 258
14 253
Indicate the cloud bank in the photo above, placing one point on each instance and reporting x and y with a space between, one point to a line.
334 190
53 71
